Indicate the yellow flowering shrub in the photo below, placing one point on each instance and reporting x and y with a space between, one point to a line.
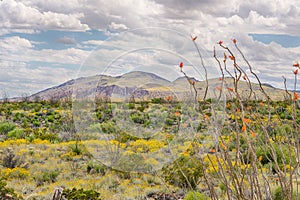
40 141
17 172
144 146
211 163
13 142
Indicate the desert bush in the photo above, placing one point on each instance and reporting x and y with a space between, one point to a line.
140 118
107 127
74 193
8 193
144 146
44 176
194 195
96 168
123 137
278 195
16 133
5 127
77 148
17 172
184 172
158 100
10 160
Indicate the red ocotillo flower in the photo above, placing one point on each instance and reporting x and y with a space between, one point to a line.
169 98
244 128
231 57
234 40
177 114
230 89
296 64
212 150
246 120
181 65
219 88
296 96
296 71
253 134
194 38
220 42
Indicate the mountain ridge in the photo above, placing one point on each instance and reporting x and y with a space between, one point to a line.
140 83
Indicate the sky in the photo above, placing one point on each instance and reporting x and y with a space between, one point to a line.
45 43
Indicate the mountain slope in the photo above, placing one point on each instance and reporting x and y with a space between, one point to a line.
144 85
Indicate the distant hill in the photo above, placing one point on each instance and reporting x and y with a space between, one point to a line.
144 85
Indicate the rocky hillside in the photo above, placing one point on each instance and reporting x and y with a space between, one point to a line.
142 85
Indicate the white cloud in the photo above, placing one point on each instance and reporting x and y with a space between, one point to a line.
93 42
114 26
66 40
20 49
16 15
255 18
15 44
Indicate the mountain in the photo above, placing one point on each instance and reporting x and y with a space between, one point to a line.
144 85
103 85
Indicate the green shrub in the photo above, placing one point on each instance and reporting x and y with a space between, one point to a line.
77 148
5 127
108 127
193 195
139 118
16 133
74 194
131 105
123 137
97 168
278 195
45 176
51 118
158 100
184 172
283 154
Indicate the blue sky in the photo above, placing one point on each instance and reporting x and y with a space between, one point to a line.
45 43
284 40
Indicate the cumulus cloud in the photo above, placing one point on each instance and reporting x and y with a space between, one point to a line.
17 15
93 42
66 40
115 27
20 49
15 43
